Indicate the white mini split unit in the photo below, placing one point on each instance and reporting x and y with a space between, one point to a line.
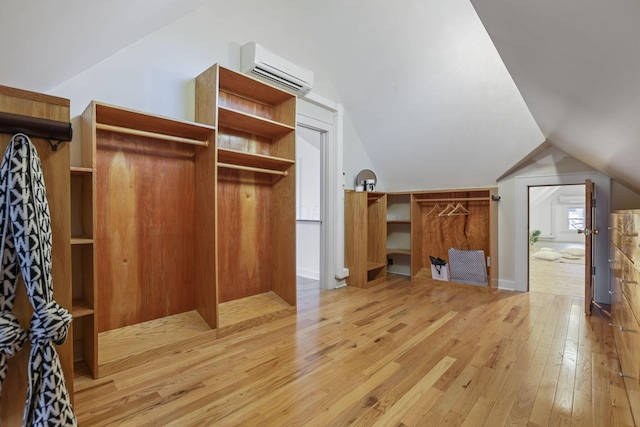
257 61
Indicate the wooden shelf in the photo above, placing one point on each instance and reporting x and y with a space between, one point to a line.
79 170
120 119
81 308
242 158
398 251
375 265
398 221
245 86
81 240
252 124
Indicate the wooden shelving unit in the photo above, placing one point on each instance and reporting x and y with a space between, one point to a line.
142 232
365 238
255 205
83 263
396 232
399 233
153 200
434 234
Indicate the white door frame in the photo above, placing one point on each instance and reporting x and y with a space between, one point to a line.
332 270
603 195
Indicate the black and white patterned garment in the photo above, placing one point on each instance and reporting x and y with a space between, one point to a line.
25 225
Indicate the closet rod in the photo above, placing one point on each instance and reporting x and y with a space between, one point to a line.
35 127
461 199
147 134
252 169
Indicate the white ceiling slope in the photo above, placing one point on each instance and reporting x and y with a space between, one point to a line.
426 90
577 66
44 43
421 81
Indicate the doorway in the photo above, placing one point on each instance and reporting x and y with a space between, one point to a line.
556 247
325 116
309 142
600 221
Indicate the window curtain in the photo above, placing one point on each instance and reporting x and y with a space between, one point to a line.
25 225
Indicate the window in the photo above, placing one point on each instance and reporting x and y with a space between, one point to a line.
575 218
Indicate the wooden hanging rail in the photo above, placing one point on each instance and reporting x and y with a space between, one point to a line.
147 134
459 199
35 127
252 169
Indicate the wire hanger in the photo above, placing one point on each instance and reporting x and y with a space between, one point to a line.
445 211
435 208
459 210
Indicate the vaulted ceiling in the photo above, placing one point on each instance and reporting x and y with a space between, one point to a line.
433 101
577 66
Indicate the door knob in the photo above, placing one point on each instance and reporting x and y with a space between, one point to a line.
587 232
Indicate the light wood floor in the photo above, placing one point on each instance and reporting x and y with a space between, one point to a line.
561 278
400 353
556 277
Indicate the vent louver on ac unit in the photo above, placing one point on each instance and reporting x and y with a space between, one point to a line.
260 62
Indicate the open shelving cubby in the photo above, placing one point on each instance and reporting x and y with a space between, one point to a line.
365 238
399 233
433 234
144 198
83 266
255 200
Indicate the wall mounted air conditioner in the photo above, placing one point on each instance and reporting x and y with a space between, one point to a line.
258 61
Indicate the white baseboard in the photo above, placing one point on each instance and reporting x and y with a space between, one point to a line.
309 274
507 285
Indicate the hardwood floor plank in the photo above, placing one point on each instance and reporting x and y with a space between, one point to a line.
410 398
526 394
402 353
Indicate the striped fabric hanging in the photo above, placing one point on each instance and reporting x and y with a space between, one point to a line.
25 225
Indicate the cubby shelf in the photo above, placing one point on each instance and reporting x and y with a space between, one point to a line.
398 251
375 265
81 240
81 308
79 170
246 87
251 124
243 158
124 120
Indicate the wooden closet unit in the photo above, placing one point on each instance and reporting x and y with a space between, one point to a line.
434 232
255 205
365 216
143 235
625 300
55 169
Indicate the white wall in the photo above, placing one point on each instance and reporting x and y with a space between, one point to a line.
157 73
623 198
547 210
